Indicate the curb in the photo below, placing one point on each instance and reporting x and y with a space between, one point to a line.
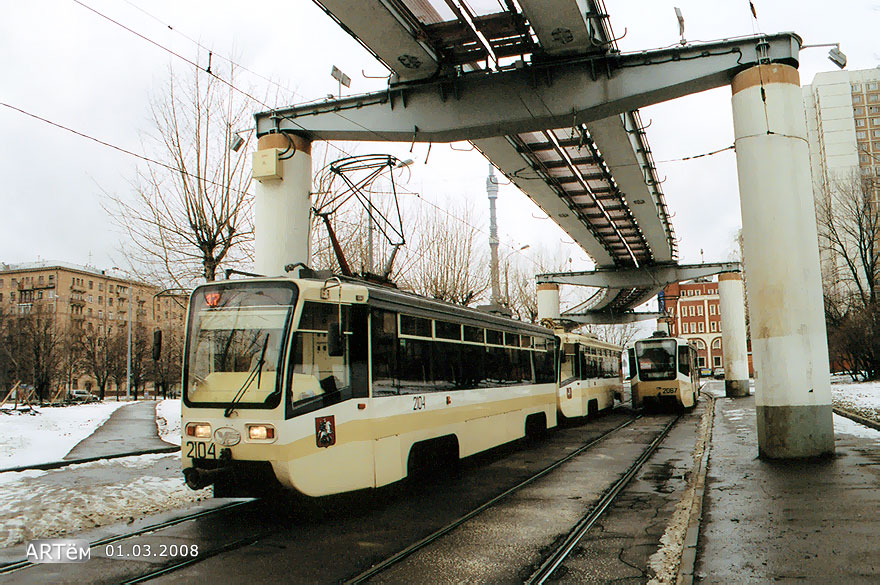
59 464
689 548
856 418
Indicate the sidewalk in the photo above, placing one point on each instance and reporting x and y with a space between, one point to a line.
131 428
787 521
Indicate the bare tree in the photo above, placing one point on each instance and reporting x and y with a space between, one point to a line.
848 220
191 213
619 334
451 264
101 354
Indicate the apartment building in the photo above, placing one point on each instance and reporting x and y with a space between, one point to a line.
843 131
87 299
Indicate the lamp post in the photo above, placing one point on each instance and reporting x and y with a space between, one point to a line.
128 361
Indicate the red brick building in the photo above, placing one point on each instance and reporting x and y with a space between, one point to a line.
695 314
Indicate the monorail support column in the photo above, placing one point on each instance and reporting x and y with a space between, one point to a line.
282 165
733 334
548 301
781 257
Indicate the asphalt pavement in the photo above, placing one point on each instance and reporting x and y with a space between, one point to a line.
130 429
813 521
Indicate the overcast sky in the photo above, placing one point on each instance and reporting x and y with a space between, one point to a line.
63 62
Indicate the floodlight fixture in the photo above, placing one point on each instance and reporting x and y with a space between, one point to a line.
835 55
237 141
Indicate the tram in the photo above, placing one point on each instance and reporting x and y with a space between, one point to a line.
333 385
663 372
589 375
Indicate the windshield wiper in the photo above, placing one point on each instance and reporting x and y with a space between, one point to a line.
256 372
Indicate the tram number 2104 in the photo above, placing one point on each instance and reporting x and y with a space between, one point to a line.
201 450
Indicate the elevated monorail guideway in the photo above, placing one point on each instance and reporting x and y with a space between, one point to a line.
545 94
540 87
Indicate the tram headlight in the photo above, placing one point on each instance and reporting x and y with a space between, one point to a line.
261 432
198 430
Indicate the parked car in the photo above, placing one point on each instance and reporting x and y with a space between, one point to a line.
718 373
705 372
81 396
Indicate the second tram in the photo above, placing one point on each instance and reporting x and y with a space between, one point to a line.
663 372
589 374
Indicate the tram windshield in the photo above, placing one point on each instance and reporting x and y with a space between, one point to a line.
656 359
234 343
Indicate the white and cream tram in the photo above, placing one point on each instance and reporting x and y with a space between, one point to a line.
663 372
276 392
589 374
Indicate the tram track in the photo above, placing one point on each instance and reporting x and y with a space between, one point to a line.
557 557
396 558
226 508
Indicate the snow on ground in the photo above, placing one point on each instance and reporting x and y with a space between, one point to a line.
77 498
168 420
862 398
845 426
28 439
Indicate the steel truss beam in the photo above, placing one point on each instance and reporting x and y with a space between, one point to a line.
535 96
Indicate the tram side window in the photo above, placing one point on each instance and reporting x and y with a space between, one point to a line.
384 341
414 372
684 360
632 363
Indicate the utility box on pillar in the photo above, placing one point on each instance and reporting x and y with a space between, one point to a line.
267 165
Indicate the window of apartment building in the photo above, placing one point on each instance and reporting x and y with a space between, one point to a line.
100 300
874 121
91 284
110 301
713 326
101 286
874 109
1 297
1 283
12 296
859 111
876 146
857 87
712 309
40 295
700 310
873 98
857 98
862 135
872 86
701 327
40 279
91 298
100 314
864 158
860 123
90 311
863 147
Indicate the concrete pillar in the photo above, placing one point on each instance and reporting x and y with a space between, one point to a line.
548 301
733 334
282 166
781 257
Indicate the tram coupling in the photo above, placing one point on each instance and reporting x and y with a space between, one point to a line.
197 478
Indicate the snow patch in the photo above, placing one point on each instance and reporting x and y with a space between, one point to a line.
168 420
48 433
68 501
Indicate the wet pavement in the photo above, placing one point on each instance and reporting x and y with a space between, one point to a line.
130 429
784 521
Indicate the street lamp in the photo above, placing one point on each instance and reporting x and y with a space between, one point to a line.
128 361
